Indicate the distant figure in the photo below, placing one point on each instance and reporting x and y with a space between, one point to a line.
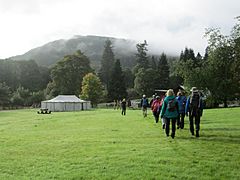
194 107
156 108
144 105
129 104
114 104
170 112
152 100
181 106
123 105
118 104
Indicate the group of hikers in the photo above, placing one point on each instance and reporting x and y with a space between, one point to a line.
171 108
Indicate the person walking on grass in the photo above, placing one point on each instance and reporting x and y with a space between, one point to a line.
123 105
156 108
181 106
162 100
152 100
170 112
144 105
194 108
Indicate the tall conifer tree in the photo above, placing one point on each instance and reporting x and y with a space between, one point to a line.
117 88
107 63
141 56
163 72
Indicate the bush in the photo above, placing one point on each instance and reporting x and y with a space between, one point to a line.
210 102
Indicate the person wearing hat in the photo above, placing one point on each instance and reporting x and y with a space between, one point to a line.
194 108
156 108
144 105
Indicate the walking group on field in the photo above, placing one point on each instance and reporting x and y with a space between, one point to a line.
172 110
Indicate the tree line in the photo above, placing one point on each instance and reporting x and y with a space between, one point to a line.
217 74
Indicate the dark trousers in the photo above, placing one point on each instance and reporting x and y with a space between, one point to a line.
168 125
197 123
156 116
124 111
180 120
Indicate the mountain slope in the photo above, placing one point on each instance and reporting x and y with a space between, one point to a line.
91 46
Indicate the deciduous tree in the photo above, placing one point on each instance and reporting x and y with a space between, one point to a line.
92 88
68 73
4 94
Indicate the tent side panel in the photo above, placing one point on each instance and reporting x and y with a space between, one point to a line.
77 106
50 106
88 104
43 105
58 106
69 106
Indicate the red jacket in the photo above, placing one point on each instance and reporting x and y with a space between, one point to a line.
156 105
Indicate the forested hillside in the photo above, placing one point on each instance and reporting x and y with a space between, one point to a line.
91 46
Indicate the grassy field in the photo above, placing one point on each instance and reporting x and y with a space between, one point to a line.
102 144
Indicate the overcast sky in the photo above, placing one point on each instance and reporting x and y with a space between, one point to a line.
167 25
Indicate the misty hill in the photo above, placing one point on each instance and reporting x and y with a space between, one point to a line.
91 46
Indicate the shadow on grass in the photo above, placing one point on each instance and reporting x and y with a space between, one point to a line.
231 139
207 122
222 139
222 129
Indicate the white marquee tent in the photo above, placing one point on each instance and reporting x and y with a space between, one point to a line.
66 103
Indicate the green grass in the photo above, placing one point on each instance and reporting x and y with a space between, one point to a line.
102 144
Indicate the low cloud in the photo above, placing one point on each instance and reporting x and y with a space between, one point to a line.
167 25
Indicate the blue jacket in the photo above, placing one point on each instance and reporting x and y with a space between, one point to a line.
181 103
146 104
165 112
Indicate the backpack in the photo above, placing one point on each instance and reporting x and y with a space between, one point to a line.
155 106
195 101
171 106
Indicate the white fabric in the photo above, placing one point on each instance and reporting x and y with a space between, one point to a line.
66 103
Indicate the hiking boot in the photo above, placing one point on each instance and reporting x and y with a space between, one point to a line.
172 135
197 134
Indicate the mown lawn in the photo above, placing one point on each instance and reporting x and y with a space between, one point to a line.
102 144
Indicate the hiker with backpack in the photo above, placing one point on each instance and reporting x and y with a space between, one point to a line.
194 108
181 107
152 100
170 112
156 108
144 105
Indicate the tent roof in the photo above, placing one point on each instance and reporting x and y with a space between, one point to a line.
65 98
